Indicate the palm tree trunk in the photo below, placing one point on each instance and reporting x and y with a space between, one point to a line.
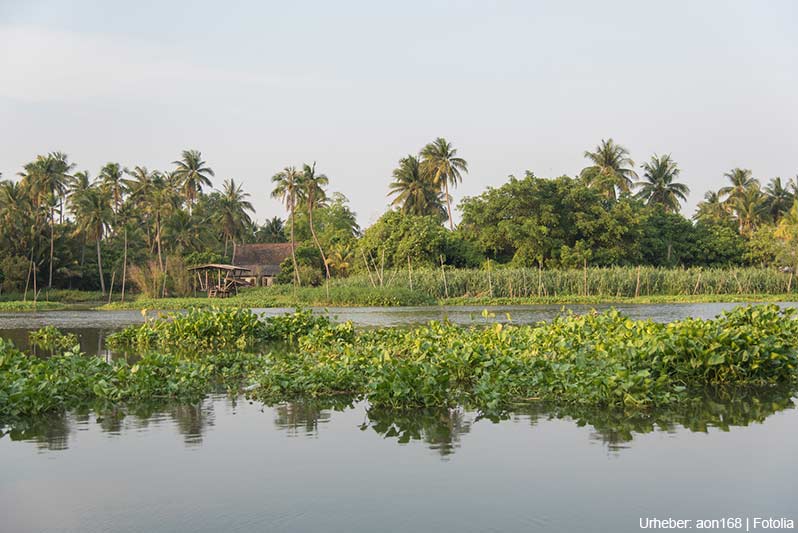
318 244
158 240
100 266
293 253
448 204
52 244
124 266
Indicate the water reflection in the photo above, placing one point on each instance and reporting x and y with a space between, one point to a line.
441 430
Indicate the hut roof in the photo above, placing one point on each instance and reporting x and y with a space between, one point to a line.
218 266
262 259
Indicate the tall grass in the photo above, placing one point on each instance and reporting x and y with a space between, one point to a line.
612 282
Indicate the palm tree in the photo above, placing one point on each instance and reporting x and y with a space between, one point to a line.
193 174
711 209
111 179
160 203
612 169
779 198
441 164
47 179
750 207
93 215
273 230
287 185
739 180
312 192
416 194
232 215
658 187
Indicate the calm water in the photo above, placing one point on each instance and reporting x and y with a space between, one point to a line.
226 465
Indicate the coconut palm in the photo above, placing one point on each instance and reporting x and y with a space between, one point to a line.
415 192
711 209
273 230
47 179
313 194
93 215
750 207
111 179
779 198
739 179
658 186
612 169
233 217
288 182
193 174
160 202
441 165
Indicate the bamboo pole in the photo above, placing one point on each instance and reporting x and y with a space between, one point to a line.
637 284
368 269
111 288
445 285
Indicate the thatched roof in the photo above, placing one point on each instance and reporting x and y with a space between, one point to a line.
218 266
262 259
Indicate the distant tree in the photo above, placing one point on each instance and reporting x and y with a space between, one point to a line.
193 174
440 163
414 191
111 178
612 169
273 230
711 209
750 208
779 199
233 216
659 187
739 181
93 216
287 184
313 193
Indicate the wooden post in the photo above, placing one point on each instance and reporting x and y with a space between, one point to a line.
124 267
540 277
445 285
111 288
490 280
368 269
585 274
637 285
697 283
409 273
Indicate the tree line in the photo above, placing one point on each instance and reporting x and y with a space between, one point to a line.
145 225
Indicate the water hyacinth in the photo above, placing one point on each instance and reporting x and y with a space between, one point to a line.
595 360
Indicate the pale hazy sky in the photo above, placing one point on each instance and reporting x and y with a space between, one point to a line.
355 86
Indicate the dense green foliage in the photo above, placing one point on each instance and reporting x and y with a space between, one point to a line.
590 360
31 385
595 359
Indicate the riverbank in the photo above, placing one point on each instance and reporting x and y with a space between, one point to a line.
316 297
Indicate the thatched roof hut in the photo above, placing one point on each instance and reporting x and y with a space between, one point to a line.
262 260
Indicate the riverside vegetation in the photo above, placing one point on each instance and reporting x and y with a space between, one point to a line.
597 360
133 231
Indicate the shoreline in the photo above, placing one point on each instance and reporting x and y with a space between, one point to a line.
176 304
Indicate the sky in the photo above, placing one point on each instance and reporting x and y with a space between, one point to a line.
355 86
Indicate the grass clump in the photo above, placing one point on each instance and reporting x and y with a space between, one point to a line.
29 306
